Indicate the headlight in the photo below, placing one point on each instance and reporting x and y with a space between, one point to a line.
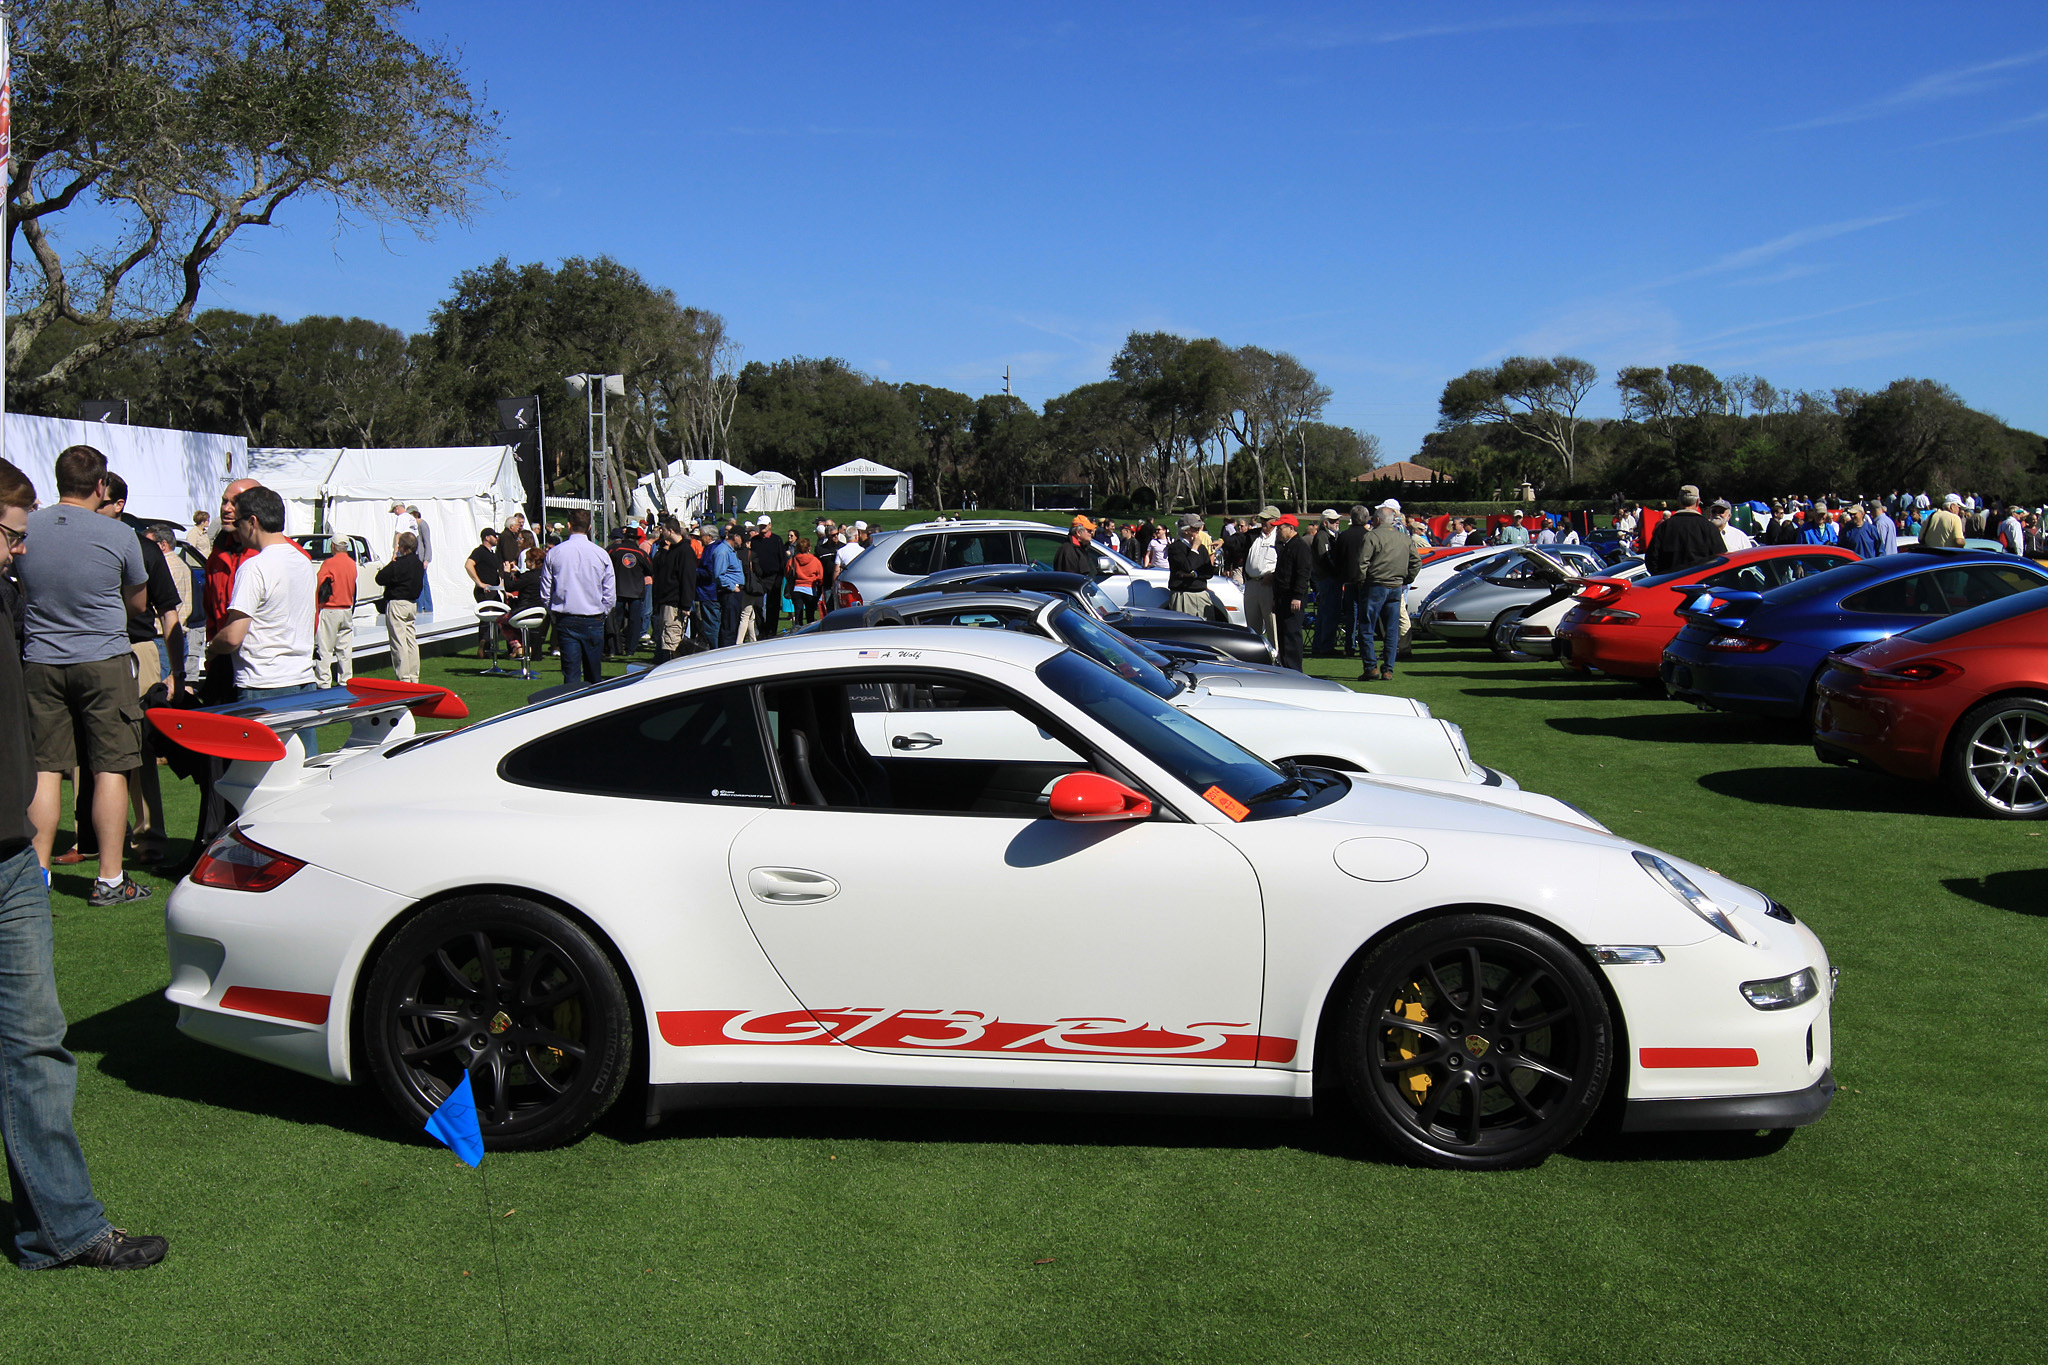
1782 992
1696 900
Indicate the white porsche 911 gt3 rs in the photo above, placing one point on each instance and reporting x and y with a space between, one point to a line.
722 866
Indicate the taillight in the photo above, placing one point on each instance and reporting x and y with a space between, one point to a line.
233 863
1534 632
845 595
1741 644
1608 616
1912 675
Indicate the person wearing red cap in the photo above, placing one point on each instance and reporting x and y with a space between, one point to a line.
1078 555
1293 582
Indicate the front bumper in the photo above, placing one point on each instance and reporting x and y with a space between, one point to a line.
1793 1109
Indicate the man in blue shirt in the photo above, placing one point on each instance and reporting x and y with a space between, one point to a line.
579 588
1861 538
1887 529
723 567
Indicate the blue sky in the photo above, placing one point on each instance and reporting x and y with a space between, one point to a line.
1821 194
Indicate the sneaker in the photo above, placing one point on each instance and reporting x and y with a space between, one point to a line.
127 891
120 1250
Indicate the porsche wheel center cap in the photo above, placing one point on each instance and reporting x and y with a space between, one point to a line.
502 1021
1476 1045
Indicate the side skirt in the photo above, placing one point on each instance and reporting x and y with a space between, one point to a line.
669 1099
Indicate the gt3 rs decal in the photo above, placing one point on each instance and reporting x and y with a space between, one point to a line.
884 1029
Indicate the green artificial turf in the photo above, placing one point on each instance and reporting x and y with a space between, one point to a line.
306 1224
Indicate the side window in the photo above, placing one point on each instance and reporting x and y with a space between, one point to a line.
968 549
1913 595
946 745
1041 547
1747 578
700 746
1795 567
1989 582
915 556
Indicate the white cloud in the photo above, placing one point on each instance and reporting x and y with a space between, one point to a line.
1321 38
2034 120
1955 83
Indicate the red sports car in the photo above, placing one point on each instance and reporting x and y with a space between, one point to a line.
1621 628
1963 699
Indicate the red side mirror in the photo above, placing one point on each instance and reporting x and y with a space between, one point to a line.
1093 797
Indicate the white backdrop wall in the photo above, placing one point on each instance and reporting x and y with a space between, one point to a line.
170 474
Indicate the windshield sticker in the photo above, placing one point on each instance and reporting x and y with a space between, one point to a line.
1225 802
888 654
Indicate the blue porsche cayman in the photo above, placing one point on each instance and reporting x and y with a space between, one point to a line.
1760 652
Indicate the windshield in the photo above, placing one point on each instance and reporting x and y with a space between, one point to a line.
1099 602
1233 779
1989 614
1112 651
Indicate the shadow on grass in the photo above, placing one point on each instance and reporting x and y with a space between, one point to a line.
1836 789
1684 727
1610 1146
1568 691
2022 893
139 1045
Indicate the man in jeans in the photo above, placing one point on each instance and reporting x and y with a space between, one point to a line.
57 1222
579 586
1387 563
78 670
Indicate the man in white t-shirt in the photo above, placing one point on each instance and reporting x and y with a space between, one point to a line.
269 623
855 546
402 523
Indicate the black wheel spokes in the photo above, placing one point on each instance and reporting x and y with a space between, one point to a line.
1477 1049
503 1021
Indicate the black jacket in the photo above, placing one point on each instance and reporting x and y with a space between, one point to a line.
675 576
1080 559
1188 567
1682 540
1322 551
402 579
1293 572
771 556
629 567
1350 546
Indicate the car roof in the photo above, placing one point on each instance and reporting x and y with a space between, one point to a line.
855 618
1005 646
1906 561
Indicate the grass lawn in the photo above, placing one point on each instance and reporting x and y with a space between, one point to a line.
1908 1225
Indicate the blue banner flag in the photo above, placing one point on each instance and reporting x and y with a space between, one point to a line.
454 1123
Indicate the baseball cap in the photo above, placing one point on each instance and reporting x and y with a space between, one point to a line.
1391 503
1083 524
1688 490
1269 513
1329 514
764 520
860 526
1287 519
1191 520
1952 500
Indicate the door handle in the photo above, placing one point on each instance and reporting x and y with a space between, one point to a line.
790 886
919 740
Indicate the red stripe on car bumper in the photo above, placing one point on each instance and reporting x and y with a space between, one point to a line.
1666 1057
293 1005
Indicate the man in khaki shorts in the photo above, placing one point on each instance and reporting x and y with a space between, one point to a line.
77 667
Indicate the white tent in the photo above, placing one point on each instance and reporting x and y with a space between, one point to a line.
863 485
299 477
773 492
763 491
170 474
678 494
459 491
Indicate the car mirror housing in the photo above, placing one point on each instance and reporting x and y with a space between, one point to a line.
1091 798
1106 566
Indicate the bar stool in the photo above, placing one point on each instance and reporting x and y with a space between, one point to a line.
526 623
488 615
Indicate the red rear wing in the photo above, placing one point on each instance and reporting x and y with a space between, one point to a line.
246 732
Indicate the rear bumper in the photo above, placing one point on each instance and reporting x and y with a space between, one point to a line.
1613 650
1793 1109
1756 690
1880 732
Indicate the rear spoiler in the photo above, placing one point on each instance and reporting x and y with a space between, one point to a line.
260 740
1722 608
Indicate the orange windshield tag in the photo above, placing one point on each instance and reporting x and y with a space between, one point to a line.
1225 802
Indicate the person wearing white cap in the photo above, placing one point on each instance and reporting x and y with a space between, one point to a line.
1390 505
855 546
1944 529
771 564
1327 567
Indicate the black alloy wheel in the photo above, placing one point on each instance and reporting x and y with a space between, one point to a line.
1476 1042
1997 759
518 996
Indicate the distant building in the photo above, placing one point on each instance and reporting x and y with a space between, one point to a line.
1401 471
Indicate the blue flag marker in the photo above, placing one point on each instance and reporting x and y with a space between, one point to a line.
454 1124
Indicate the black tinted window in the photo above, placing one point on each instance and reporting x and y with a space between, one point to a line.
915 556
965 549
702 746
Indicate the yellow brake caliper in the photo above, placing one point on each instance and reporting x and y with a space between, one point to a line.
1415 1081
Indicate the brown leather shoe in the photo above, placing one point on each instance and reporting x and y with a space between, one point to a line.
70 858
